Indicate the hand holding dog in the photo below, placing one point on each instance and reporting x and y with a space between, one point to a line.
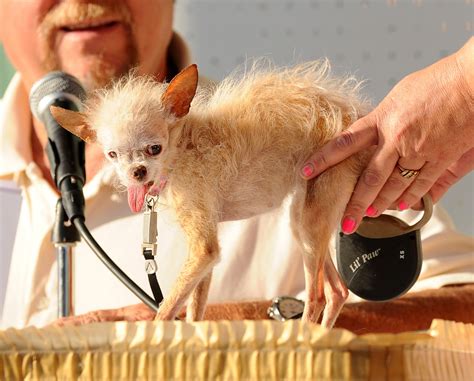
425 124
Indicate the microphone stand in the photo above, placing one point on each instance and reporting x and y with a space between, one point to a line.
64 236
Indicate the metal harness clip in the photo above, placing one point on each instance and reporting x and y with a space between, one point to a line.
150 232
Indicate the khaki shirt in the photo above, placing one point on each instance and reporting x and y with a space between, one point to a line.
259 258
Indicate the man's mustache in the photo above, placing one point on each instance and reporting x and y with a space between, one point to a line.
70 13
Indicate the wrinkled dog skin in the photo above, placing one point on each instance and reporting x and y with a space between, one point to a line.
233 153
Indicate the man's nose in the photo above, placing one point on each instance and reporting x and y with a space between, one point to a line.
139 173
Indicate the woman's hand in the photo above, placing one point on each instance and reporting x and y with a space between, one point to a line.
425 126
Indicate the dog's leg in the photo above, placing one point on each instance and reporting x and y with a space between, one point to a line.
312 269
197 303
316 211
198 264
335 292
200 227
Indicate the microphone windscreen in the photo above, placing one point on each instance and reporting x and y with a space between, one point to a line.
53 86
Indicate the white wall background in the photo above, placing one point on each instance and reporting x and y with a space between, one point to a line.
380 41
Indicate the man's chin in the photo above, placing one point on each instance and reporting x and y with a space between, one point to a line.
94 72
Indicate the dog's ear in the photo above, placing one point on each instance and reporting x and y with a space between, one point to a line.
180 92
74 122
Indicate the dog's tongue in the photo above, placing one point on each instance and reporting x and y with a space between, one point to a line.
136 197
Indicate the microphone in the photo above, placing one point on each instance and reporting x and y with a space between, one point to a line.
66 152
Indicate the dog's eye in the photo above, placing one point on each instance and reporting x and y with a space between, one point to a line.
112 154
153 150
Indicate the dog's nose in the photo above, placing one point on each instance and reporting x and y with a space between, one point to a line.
139 173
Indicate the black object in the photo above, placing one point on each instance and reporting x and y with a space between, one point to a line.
382 259
66 159
63 230
153 280
65 151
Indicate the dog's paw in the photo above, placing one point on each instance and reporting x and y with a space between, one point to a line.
163 315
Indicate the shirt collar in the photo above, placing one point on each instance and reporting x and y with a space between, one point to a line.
16 119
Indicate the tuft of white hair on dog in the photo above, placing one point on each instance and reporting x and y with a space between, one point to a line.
130 105
283 91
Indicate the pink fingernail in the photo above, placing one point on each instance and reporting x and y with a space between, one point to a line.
402 205
308 170
371 211
348 225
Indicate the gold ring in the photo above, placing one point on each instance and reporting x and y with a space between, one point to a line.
407 173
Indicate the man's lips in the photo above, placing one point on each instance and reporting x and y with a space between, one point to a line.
100 34
92 25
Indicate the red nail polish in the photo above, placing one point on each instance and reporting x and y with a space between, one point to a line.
348 225
402 205
371 211
308 170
